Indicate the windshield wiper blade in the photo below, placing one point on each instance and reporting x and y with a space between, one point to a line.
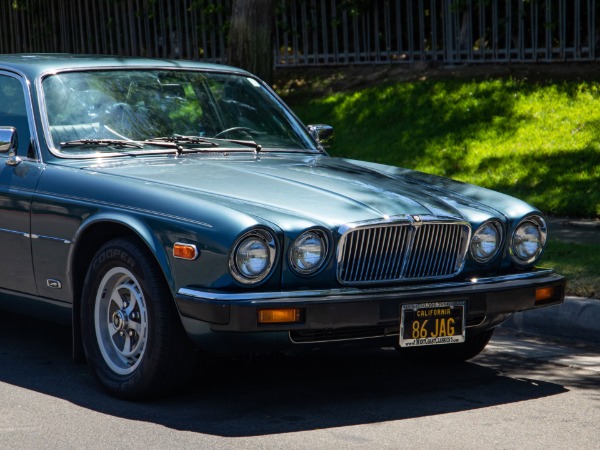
180 139
115 143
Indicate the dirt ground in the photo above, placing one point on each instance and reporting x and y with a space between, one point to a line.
316 81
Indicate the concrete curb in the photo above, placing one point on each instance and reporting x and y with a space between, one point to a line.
576 319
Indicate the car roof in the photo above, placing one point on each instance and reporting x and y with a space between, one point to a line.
35 64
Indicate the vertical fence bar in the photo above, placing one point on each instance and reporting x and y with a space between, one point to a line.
387 35
422 49
398 23
375 48
410 32
548 30
592 28
194 25
334 35
562 31
278 44
345 36
366 23
577 30
521 30
295 33
434 26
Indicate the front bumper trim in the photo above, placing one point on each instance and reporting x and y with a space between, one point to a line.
491 297
220 296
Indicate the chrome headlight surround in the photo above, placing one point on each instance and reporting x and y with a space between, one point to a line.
486 241
309 252
253 256
528 240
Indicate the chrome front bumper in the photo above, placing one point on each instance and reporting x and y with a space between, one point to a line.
361 307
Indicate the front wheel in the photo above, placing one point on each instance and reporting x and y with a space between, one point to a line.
132 336
474 344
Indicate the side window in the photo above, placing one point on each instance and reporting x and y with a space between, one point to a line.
13 112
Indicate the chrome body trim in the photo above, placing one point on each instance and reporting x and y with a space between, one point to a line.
319 294
34 236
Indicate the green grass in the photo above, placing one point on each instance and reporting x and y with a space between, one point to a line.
579 263
537 141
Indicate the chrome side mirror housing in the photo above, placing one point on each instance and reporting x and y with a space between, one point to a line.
8 140
323 134
8 144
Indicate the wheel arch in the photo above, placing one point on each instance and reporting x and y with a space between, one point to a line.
91 236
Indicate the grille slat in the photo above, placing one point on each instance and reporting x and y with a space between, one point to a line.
402 251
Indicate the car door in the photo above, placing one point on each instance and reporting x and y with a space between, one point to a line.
18 178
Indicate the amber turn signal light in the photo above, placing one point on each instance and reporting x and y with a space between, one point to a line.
279 315
543 294
185 251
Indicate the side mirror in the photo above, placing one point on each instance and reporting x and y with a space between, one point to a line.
323 134
8 140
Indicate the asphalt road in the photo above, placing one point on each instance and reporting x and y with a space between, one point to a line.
522 392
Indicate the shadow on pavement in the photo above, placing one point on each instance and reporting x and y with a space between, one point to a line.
578 231
266 395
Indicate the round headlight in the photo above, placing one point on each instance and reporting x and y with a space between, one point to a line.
308 252
528 240
486 241
253 256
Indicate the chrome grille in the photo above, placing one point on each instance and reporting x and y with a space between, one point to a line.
401 251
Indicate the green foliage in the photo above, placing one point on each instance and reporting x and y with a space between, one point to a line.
536 141
579 263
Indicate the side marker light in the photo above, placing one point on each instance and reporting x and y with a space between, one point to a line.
543 294
279 315
185 251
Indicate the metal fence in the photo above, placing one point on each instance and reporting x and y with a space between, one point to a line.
313 32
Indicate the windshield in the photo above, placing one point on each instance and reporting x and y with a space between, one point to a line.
87 111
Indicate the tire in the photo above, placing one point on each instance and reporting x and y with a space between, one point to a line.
132 336
474 344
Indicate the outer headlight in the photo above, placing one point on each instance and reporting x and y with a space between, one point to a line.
308 252
252 257
486 241
528 240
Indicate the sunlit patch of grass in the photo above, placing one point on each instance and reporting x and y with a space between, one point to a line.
579 263
539 142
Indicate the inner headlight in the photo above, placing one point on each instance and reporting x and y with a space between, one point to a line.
308 252
486 241
252 258
528 240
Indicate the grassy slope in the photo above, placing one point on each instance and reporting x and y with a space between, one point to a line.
579 263
536 140
540 143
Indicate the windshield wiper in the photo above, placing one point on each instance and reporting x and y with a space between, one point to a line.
115 143
257 147
179 141
182 140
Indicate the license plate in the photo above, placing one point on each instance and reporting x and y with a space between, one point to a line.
432 323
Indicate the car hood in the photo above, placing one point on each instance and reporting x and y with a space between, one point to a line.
329 191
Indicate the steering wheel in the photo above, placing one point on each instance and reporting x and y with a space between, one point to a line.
232 129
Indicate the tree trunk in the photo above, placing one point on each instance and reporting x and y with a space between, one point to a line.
250 44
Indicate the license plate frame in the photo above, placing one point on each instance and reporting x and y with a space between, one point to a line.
432 323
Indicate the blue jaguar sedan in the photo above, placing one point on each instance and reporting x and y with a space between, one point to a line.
169 209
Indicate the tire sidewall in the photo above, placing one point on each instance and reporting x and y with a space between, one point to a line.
122 253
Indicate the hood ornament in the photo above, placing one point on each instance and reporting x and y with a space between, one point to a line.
414 219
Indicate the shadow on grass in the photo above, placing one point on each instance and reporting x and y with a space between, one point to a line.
550 181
